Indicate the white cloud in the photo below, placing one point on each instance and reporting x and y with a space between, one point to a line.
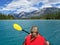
58 6
37 1
54 1
46 5
26 5
50 2
26 9
19 3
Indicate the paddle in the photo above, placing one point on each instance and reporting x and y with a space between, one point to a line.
19 28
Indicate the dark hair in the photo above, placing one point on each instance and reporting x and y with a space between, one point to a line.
33 27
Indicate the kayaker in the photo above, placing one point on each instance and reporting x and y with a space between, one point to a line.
34 38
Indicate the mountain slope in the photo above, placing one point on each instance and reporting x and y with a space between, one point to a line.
39 13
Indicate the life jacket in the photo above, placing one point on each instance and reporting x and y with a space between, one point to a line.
39 40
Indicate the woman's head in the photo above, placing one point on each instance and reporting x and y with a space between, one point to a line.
34 31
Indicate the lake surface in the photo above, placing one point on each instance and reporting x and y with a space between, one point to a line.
9 36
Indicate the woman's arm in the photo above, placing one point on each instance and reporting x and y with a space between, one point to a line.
47 43
23 43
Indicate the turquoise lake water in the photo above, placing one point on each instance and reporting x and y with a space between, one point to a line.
9 36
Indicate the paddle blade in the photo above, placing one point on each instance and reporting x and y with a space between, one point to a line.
17 27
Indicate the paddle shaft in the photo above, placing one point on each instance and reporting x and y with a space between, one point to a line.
26 31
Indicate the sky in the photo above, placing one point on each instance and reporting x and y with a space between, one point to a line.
17 6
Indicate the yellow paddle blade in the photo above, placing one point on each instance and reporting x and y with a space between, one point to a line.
17 27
